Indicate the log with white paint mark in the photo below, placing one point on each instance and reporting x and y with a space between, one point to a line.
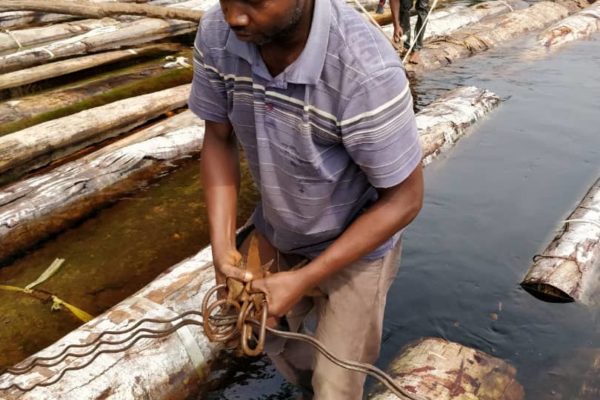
569 268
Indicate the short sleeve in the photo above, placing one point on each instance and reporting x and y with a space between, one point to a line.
208 97
379 131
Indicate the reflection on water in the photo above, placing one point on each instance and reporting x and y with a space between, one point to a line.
491 204
108 257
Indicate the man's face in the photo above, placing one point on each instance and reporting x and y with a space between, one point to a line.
262 21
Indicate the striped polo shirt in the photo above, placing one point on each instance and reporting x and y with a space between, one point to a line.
322 135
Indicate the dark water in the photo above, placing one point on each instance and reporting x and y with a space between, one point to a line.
491 204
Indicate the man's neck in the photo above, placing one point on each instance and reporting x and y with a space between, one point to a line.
281 52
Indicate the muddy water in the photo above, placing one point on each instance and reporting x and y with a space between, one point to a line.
108 257
491 204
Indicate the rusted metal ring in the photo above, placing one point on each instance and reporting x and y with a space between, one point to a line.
211 333
247 331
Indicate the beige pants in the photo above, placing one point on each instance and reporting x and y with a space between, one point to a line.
348 321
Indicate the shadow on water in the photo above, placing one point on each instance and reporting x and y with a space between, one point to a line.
108 257
491 204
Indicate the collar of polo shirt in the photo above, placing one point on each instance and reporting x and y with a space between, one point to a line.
307 68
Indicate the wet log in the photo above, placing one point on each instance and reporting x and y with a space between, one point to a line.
39 145
486 34
59 68
37 207
23 112
577 26
447 119
167 368
444 22
133 33
575 376
99 10
25 19
568 269
435 369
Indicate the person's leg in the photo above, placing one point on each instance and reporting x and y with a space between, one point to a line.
422 7
350 322
405 7
380 7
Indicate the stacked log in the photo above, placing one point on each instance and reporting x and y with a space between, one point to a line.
576 26
568 269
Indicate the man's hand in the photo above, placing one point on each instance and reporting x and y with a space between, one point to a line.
282 290
227 266
398 32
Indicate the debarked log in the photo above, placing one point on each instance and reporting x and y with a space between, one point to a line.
486 34
14 40
88 9
167 368
444 22
110 37
576 26
32 209
568 269
41 144
442 123
435 369
64 67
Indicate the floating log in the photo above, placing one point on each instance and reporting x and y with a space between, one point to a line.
166 368
99 10
577 26
21 113
132 33
32 209
575 376
447 119
37 146
568 269
435 369
444 22
59 68
486 34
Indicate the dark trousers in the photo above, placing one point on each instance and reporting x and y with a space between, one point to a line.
422 7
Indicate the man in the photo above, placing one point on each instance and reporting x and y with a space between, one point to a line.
401 20
320 103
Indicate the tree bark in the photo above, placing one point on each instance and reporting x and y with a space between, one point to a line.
42 205
569 268
88 9
59 68
39 145
577 26
485 35
435 369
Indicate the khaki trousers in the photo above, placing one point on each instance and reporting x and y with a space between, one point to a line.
348 320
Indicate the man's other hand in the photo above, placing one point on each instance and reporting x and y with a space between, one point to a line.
398 33
227 265
282 290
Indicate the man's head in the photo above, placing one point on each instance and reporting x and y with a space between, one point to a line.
265 21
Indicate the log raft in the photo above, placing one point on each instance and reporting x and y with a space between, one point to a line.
486 34
435 369
46 204
574 27
568 269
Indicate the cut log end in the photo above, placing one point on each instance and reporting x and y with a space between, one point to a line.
546 292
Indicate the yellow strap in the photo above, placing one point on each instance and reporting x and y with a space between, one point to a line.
10 288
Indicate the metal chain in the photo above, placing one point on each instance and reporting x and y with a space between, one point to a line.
223 327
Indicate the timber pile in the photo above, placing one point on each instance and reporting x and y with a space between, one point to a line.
568 269
435 369
489 33
579 25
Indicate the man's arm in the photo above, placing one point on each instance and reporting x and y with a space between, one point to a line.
396 208
395 8
221 180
